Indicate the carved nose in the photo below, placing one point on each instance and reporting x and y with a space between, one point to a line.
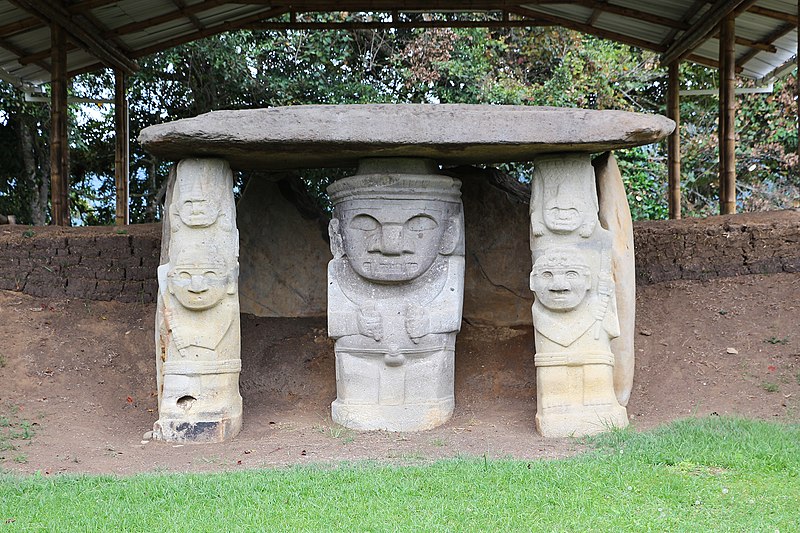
198 284
392 240
559 283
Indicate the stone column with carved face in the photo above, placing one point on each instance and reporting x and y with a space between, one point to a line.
395 293
197 321
575 311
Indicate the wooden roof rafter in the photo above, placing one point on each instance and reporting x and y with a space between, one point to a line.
500 19
127 29
13 28
81 32
207 32
700 31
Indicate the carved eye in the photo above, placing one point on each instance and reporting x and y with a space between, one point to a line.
421 223
572 275
547 274
211 274
183 274
364 223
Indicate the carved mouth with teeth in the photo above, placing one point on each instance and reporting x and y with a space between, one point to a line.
560 294
390 269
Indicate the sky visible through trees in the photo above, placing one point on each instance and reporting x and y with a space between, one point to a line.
538 66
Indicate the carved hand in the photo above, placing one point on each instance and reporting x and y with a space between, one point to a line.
174 332
587 229
370 323
605 285
418 324
537 228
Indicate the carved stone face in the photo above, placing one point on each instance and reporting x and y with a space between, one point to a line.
198 212
562 215
392 240
561 282
199 287
197 198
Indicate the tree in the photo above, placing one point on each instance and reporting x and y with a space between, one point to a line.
536 66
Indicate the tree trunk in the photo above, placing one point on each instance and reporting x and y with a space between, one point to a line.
38 183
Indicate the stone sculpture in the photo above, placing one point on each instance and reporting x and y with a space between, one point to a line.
615 216
395 285
574 312
197 322
395 293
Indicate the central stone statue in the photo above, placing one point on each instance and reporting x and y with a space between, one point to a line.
395 293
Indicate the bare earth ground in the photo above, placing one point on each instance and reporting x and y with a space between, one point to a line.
83 373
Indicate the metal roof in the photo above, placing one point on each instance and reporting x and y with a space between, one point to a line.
112 33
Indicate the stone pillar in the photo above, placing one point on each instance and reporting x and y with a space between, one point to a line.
197 318
395 294
575 309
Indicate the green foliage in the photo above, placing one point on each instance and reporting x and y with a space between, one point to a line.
535 66
14 432
641 170
700 474
770 386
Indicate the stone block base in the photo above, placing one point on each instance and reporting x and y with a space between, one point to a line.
580 421
405 417
197 431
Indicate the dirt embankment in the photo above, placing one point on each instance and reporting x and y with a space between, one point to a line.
107 263
80 374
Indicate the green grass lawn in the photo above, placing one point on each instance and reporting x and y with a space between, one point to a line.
714 474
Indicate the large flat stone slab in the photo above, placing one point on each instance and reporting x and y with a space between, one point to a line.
339 135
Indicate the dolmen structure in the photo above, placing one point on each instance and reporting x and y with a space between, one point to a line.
395 277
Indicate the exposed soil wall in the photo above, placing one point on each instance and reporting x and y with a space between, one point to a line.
105 263
95 263
730 245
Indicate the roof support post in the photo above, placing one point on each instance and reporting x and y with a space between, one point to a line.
121 155
59 149
797 77
674 140
727 116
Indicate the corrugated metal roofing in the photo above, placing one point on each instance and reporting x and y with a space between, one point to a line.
141 27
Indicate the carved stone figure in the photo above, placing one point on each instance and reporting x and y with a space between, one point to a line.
197 323
574 312
395 293
615 216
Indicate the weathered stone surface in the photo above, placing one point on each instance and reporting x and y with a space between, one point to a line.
283 255
395 293
197 317
496 226
336 136
276 280
615 216
574 311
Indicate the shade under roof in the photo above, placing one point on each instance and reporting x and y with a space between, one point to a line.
766 30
